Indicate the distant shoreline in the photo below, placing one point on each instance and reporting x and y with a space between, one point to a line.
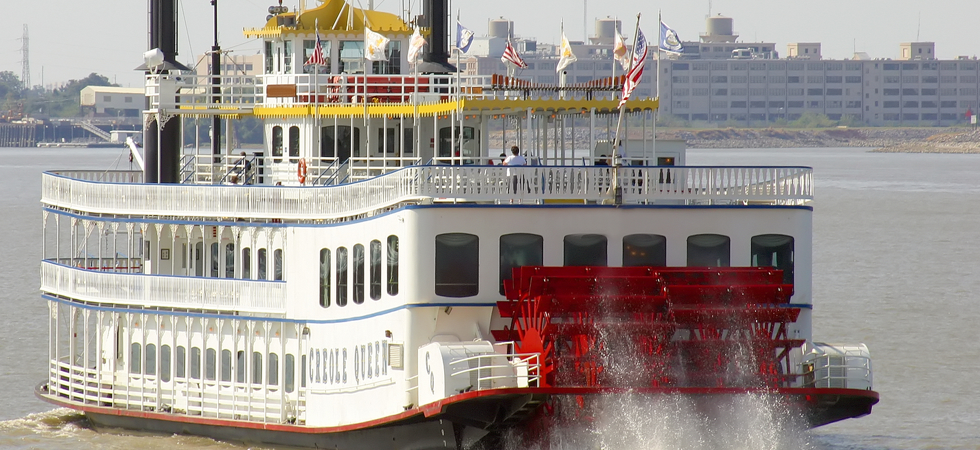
883 140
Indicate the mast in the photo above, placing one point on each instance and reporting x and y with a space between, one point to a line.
215 88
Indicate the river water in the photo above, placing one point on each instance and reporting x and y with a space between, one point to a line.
896 251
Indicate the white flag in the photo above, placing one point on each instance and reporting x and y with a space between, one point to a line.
415 46
375 46
620 51
567 57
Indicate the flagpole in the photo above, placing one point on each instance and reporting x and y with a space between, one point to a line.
622 111
660 55
316 91
617 189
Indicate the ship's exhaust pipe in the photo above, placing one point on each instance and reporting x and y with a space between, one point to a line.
435 56
162 137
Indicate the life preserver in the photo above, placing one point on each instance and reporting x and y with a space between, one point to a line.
301 170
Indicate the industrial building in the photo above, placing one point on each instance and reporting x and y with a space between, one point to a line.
721 80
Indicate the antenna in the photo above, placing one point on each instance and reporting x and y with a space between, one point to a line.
709 8
25 50
918 27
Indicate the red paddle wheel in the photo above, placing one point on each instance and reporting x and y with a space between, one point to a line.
630 327
602 329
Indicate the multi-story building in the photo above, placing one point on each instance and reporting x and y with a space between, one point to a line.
714 81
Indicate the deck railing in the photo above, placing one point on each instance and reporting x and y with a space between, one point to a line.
163 291
233 93
439 183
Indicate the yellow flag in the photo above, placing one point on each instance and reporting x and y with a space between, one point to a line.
374 46
567 57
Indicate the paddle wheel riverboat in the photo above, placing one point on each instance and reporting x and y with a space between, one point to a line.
373 278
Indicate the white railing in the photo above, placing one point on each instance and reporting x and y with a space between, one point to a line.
240 401
198 92
242 92
163 291
641 185
491 371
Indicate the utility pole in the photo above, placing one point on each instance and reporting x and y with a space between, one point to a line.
25 50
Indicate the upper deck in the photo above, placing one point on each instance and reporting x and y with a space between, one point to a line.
294 95
123 193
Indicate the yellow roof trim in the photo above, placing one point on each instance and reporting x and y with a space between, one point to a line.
468 107
373 110
550 104
347 19
267 32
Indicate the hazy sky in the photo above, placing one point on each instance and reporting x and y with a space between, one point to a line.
70 38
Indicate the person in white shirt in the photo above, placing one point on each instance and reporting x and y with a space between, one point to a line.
515 159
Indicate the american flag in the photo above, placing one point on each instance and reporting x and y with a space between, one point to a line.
636 69
317 57
511 56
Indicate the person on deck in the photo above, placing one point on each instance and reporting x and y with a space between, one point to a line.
515 159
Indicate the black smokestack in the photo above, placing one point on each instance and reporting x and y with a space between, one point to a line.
161 151
163 32
435 57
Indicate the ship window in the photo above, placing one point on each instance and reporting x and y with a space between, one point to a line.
293 143
710 250
195 363
230 261
240 366
518 250
342 276
375 270
387 142
214 260
586 250
392 265
225 364
277 262
257 368
302 371
290 372
180 362
269 55
211 364
774 250
308 46
261 269
287 56
644 250
409 139
324 277
198 259
340 142
273 369
277 143
457 265
246 263
358 267
352 56
393 64
151 359
164 363
134 358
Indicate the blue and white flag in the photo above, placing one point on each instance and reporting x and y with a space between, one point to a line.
669 41
464 37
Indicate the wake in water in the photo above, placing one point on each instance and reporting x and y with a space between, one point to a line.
64 428
668 422
57 422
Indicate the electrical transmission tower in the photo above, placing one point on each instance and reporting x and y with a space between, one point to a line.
25 76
